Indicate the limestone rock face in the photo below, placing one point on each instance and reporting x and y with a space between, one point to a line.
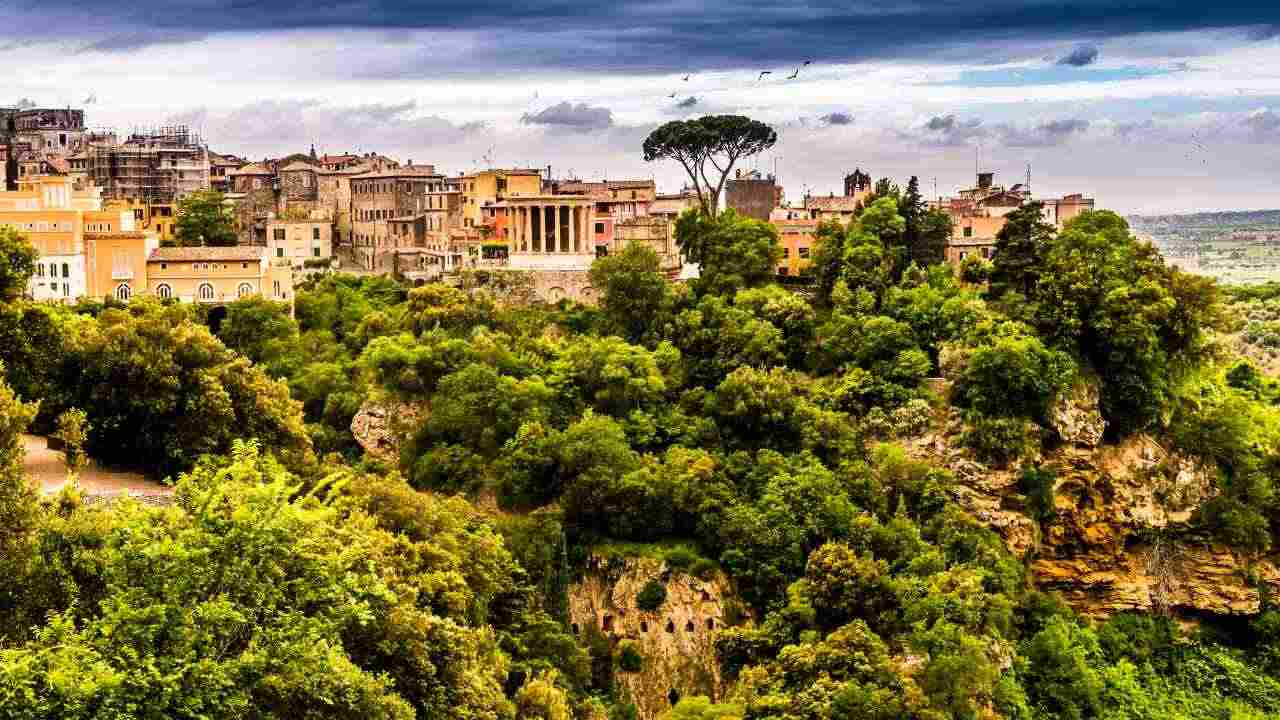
381 428
1122 535
1075 416
676 640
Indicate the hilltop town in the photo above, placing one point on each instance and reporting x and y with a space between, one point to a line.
102 208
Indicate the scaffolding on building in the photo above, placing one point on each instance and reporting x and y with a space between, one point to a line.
152 165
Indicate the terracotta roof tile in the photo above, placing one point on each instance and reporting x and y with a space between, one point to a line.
240 253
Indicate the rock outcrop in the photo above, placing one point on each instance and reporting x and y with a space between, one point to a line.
676 641
381 428
1121 535
1074 414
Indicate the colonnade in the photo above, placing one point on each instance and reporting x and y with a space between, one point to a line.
551 228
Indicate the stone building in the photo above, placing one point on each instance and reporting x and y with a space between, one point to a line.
298 182
979 213
616 201
376 198
753 195
251 177
657 232
551 239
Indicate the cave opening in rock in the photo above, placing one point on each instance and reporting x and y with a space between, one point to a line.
575 628
711 623
644 626
673 696
608 623
688 626
671 626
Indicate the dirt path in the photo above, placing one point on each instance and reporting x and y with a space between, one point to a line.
49 468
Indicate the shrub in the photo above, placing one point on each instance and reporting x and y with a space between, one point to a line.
680 558
999 440
629 657
1037 484
703 568
651 596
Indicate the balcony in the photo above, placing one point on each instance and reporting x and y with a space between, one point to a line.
121 273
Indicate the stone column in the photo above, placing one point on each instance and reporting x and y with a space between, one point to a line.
573 229
527 224
555 228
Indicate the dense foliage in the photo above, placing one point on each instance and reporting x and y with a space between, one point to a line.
747 428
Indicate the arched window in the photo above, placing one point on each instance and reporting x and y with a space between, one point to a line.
205 292
245 290
164 292
123 292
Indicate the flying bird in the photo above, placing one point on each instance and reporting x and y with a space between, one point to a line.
686 78
672 95
763 73
93 98
794 75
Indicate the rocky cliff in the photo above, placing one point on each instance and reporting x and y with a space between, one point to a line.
1121 533
675 641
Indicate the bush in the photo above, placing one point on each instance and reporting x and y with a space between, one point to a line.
999 440
680 558
703 568
629 657
651 596
1037 484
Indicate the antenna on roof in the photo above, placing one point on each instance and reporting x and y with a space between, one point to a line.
1028 180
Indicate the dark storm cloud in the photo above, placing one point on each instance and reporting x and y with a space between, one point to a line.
1053 132
1080 56
837 118
949 130
645 36
570 116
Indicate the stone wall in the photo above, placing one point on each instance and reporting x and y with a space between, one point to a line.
676 641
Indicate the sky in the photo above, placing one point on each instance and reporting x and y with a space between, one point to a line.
1154 106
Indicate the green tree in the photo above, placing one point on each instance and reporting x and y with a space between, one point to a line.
634 294
73 431
733 251
17 263
261 330
707 148
1021 244
205 219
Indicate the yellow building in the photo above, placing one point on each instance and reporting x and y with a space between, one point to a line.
217 275
490 186
116 263
159 218
67 227
797 240
300 240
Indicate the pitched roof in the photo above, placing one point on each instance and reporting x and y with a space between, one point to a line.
298 165
835 203
403 171
252 169
188 254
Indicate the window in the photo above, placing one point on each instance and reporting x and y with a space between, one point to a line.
599 228
275 286
123 292
968 232
315 233
279 233
244 290
804 252
205 291
315 252
39 270
279 252
164 292
786 252
66 272
66 290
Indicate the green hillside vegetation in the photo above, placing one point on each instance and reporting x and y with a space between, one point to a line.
728 423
